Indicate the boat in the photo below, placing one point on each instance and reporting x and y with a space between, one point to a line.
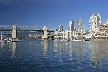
87 39
7 40
63 40
77 40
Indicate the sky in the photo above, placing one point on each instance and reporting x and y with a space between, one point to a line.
51 13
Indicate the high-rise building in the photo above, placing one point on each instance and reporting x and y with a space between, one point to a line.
60 28
79 25
94 22
71 25
106 21
71 29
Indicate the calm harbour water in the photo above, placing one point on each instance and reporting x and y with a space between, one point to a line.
53 56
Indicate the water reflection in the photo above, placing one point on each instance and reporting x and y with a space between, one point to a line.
2 45
56 45
45 47
95 54
61 46
71 50
1 48
79 50
63 56
13 49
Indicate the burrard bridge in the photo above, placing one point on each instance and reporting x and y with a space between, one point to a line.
14 28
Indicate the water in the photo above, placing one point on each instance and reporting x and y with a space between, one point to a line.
53 56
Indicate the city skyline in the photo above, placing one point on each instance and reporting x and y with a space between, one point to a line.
51 13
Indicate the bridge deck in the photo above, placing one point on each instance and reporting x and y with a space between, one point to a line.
22 28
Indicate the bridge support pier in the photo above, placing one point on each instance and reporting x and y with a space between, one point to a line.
45 36
14 33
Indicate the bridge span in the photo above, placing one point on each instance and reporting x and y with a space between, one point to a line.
15 28
23 28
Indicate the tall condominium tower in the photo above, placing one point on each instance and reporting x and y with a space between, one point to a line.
106 21
71 29
71 25
94 22
79 25
60 28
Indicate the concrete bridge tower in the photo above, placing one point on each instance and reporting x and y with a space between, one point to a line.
14 33
45 36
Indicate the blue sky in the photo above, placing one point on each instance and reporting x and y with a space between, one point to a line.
51 13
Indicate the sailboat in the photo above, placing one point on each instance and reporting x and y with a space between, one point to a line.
1 37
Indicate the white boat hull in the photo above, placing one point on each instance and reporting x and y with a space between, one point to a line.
77 40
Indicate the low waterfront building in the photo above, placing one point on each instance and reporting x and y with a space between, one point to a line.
65 35
68 35
61 35
102 31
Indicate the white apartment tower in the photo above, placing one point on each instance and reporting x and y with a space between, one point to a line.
71 25
71 29
60 28
79 25
94 22
106 21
